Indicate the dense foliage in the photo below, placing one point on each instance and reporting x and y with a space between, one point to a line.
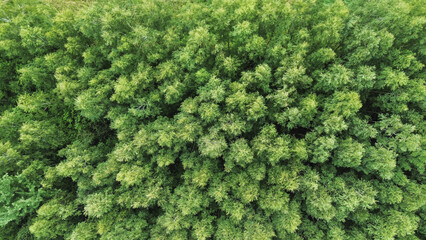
221 119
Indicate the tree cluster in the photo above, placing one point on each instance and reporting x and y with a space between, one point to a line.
219 119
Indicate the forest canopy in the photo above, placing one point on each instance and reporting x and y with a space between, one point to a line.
219 119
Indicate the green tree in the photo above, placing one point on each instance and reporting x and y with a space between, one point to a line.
222 119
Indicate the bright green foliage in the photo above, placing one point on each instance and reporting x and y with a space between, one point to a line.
221 119
348 154
19 197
